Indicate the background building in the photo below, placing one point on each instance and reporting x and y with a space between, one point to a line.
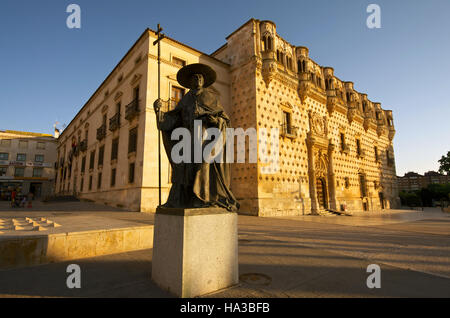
413 181
335 144
27 163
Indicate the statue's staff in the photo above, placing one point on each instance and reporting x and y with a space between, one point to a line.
160 36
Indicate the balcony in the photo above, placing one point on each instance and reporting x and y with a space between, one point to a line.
132 110
83 145
114 122
101 132
288 131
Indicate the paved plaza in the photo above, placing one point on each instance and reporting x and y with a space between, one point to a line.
304 256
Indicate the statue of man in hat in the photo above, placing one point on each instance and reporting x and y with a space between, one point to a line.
194 184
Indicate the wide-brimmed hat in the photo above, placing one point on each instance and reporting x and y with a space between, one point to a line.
184 75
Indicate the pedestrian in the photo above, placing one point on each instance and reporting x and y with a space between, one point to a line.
29 199
13 198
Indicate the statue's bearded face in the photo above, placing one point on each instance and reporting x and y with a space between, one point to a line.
197 81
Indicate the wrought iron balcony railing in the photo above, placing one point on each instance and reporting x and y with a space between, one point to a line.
114 122
101 132
132 109
83 145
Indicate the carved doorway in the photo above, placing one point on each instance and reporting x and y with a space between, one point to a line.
321 188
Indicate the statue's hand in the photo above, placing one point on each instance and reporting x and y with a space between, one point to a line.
212 120
157 105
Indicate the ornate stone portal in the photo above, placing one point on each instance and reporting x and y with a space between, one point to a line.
320 165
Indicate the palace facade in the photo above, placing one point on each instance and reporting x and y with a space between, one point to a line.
335 145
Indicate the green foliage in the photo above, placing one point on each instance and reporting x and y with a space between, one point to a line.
445 164
426 196
410 199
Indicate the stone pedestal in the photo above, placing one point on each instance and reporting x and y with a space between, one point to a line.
195 251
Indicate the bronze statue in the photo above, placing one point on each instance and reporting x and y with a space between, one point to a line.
196 184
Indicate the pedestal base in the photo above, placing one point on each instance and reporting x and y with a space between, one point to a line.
195 251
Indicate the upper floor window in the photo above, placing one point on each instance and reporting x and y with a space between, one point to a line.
267 43
83 164
342 139
301 65
136 93
375 149
101 153
91 160
358 146
114 148
176 95
40 145
3 171
5 143
23 144
37 172
39 158
4 156
178 61
19 172
132 140
21 157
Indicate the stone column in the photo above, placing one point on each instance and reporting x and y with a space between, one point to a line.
312 176
331 177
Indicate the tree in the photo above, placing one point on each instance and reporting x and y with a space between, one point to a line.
445 164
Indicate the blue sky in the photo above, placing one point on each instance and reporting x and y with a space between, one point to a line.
49 71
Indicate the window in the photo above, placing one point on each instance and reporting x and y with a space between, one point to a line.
375 149
301 65
176 95
132 140
39 158
362 185
286 122
99 180
136 93
114 149
113 177
83 164
131 173
4 156
358 147
6 142
90 183
178 61
19 172
40 145
101 153
118 108
37 172
21 157
91 160
3 171
81 184
342 135
23 144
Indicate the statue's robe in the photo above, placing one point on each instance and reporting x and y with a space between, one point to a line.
198 184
